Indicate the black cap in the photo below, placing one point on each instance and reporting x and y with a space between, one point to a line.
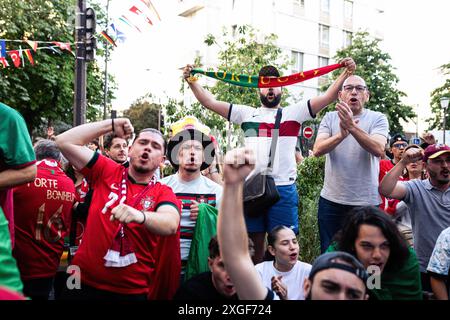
329 261
397 137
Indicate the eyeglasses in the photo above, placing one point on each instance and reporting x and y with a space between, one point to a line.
349 88
400 145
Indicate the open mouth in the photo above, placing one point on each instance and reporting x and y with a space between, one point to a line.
353 100
145 156
293 256
270 96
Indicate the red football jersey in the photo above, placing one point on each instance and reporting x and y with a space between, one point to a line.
42 213
105 176
388 205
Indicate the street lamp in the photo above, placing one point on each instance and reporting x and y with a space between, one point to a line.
444 105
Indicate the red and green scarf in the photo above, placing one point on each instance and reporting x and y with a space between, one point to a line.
267 82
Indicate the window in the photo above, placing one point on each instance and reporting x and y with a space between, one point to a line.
324 35
348 10
325 6
347 39
323 61
298 6
297 61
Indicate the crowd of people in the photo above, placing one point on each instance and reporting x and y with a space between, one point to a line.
89 214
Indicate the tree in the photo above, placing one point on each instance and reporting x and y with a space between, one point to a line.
436 95
44 93
143 114
373 66
243 53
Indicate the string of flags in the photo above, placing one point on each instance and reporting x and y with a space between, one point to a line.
18 56
138 16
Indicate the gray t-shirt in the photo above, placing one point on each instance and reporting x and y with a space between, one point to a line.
351 173
430 214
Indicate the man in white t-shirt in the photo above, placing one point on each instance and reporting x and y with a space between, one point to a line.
353 139
257 124
191 150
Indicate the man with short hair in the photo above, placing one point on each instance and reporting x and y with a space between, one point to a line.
129 213
212 285
190 150
17 166
428 200
398 143
257 124
335 276
353 140
116 148
42 213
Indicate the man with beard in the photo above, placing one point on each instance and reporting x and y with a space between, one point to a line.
116 149
428 200
333 276
187 151
353 139
398 144
130 210
257 124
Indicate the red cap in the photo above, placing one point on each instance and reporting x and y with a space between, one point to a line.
434 151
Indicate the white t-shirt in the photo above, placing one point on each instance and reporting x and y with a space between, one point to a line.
202 190
293 279
257 124
351 172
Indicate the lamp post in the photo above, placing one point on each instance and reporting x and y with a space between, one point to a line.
444 106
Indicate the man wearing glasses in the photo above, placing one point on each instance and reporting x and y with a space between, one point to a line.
428 200
397 144
353 140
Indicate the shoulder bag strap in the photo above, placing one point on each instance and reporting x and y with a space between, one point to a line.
275 134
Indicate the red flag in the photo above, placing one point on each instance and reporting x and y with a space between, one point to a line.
63 45
15 57
3 62
29 56
32 44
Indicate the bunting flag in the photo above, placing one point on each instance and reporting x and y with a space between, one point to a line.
2 48
29 56
108 38
15 57
21 56
32 44
3 62
267 82
63 45
138 16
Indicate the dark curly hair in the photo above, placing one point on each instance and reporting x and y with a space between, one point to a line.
346 237
269 71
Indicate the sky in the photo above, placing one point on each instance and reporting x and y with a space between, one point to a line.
416 35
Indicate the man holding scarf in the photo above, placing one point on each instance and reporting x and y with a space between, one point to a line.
120 252
257 124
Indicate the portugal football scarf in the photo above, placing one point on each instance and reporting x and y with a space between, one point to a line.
267 82
121 253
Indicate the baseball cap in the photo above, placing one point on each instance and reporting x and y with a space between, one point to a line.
397 137
339 260
434 151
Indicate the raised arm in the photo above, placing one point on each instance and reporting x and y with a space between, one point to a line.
390 186
14 177
72 142
320 102
204 96
324 143
231 230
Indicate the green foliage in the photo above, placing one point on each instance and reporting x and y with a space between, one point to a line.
143 114
373 66
443 91
309 184
45 92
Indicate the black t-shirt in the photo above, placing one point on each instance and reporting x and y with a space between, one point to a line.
200 287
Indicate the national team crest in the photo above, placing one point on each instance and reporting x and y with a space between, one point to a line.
202 199
147 202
